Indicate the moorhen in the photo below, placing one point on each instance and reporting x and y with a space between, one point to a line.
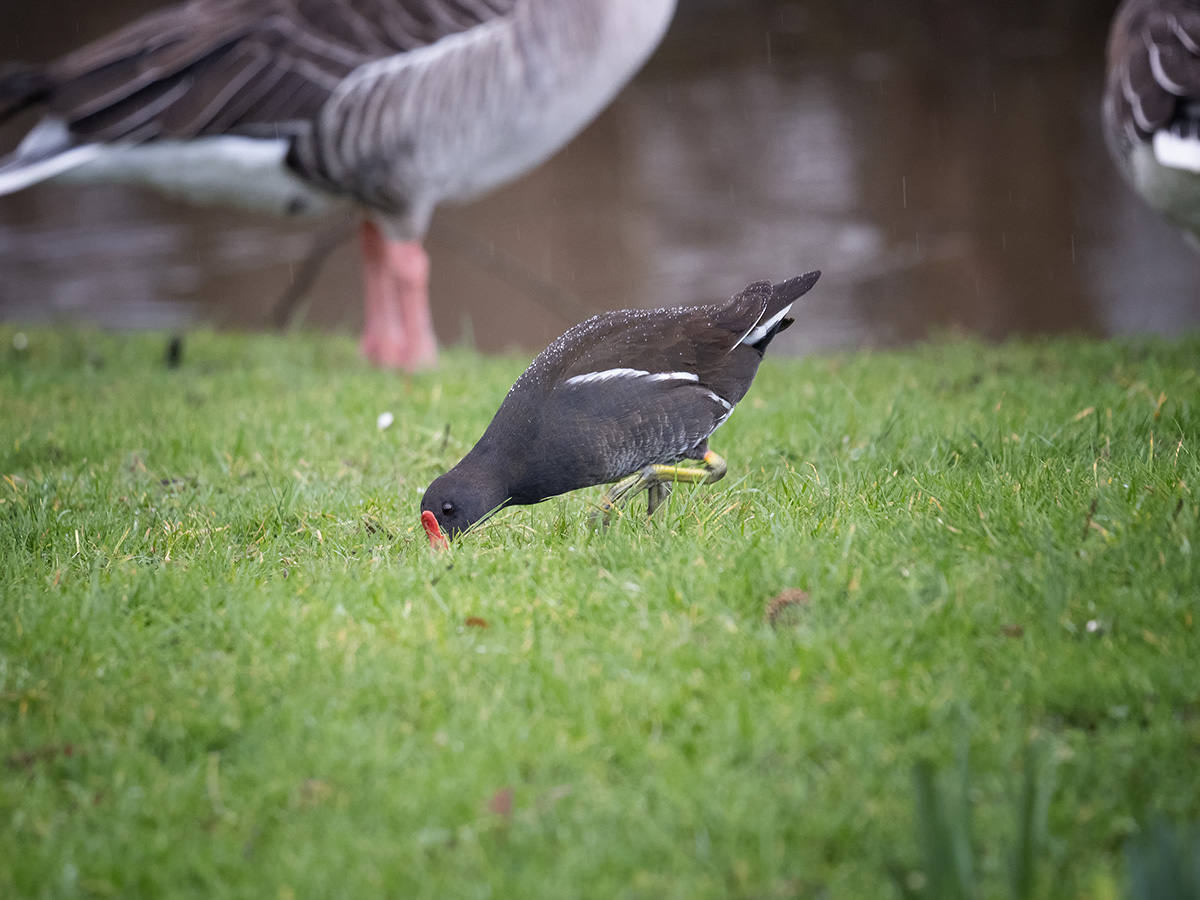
622 397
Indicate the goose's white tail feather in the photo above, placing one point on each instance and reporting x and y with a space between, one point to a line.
227 170
45 152
18 175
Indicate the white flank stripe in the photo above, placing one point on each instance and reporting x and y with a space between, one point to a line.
1177 152
725 403
605 375
760 331
22 177
674 376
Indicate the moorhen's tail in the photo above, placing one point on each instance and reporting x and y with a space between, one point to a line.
779 299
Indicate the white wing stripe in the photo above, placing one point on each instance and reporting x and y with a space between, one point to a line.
675 376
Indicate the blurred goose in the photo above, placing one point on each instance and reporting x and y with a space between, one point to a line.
1152 104
299 106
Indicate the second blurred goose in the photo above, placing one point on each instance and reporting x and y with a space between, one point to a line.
1152 104
297 106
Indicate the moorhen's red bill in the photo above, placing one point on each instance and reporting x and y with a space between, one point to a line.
437 540
618 398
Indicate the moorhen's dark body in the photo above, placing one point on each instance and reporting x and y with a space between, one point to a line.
616 394
1152 104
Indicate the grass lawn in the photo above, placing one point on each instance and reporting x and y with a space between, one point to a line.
230 665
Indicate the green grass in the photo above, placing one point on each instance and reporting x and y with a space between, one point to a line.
230 665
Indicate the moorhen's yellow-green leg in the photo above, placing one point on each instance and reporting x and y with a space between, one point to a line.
657 481
656 494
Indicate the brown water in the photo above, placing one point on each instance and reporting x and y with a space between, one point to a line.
940 162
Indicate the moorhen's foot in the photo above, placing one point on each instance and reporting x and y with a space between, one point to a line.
656 480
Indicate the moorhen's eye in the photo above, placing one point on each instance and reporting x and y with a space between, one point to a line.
447 508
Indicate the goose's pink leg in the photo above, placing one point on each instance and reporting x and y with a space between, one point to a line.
398 333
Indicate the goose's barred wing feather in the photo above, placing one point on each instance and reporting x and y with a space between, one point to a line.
229 66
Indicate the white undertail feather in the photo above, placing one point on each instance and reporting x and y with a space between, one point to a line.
762 329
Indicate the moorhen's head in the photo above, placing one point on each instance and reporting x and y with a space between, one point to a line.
456 501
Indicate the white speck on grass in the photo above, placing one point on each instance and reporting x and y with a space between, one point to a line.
1092 626
428 837
385 420
20 341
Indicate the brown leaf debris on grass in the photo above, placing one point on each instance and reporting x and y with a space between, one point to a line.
778 605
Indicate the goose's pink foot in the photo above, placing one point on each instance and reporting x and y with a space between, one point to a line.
398 333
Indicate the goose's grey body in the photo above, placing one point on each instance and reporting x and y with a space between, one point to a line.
1152 104
296 106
